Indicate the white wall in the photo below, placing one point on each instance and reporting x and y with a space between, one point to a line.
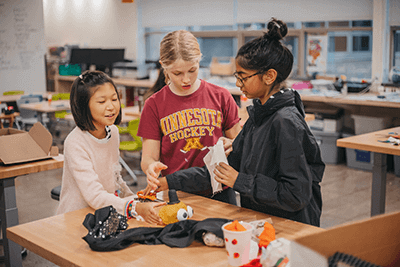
394 11
112 24
91 23
158 13
304 10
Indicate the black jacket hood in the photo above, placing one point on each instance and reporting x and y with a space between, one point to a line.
283 98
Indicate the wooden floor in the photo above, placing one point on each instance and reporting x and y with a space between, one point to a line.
346 197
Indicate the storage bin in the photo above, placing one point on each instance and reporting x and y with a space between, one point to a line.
327 120
330 153
366 124
359 159
396 160
69 69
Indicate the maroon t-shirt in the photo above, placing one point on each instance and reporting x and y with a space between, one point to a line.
187 125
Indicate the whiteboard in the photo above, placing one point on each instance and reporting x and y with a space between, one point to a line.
22 46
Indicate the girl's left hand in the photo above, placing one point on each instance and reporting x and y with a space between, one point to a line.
225 174
148 211
227 145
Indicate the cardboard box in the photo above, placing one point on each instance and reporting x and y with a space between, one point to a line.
18 146
219 68
375 240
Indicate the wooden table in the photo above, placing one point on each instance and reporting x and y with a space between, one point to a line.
8 204
9 117
349 100
369 142
59 238
14 98
9 98
358 106
47 107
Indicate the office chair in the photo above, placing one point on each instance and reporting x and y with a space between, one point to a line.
130 145
27 117
15 92
55 193
2 107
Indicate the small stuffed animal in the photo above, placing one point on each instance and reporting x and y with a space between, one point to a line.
175 210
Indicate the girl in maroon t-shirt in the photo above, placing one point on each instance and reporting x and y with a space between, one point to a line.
186 116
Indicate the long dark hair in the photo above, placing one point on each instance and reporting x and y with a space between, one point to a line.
267 52
160 83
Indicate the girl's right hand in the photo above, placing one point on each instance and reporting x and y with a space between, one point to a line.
152 173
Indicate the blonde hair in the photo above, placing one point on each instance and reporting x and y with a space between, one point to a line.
179 45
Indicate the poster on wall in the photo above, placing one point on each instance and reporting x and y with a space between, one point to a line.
317 52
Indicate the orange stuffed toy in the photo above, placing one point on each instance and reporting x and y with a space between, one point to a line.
175 210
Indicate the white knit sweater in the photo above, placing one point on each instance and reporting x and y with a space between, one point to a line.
91 173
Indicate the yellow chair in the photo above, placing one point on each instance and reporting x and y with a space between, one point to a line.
60 96
131 145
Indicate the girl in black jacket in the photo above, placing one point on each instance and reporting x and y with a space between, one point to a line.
275 163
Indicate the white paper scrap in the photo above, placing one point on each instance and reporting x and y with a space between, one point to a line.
212 159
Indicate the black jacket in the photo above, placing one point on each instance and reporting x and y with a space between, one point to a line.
278 160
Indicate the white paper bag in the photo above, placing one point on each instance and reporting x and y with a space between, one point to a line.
212 159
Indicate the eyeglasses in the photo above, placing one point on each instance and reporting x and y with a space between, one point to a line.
242 80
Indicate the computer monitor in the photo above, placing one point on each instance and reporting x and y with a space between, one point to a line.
105 58
82 55
102 58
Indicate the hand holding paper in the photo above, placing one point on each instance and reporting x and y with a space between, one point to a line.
212 159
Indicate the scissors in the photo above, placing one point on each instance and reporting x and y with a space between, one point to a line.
152 196
394 134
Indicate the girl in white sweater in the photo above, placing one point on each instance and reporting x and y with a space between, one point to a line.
91 174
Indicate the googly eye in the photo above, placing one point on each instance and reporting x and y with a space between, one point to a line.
190 211
182 215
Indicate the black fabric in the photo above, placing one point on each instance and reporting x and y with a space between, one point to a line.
180 234
278 160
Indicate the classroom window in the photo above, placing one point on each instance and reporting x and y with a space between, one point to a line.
361 43
349 51
361 23
350 54
292 43
337 44
290 24
211 28
243 26
396 49
216 47
338 24
317 24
